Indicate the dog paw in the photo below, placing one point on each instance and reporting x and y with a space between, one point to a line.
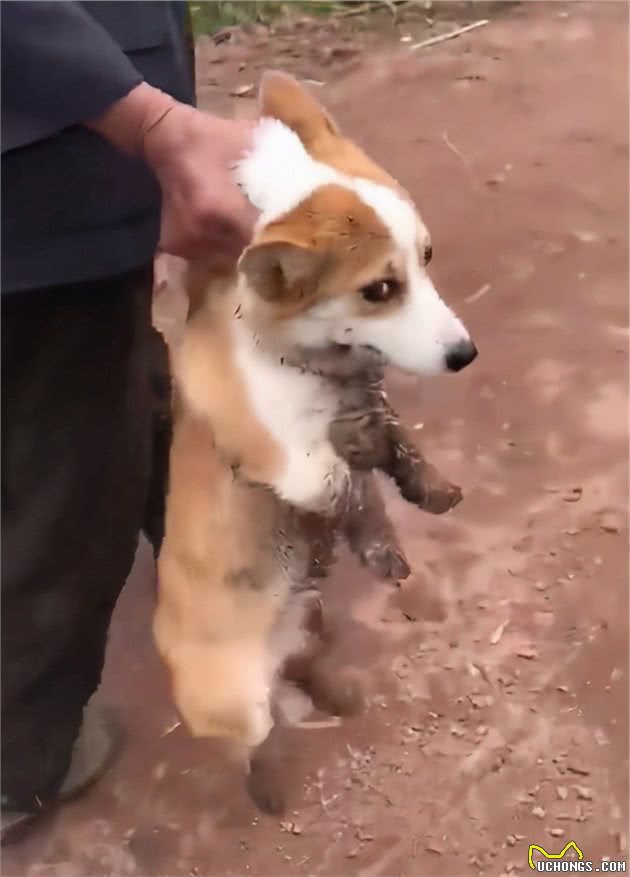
428 490
385 560
442 498
338 693
265 788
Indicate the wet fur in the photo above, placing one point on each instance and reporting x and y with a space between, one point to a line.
237 565
368 434
236 611
260 448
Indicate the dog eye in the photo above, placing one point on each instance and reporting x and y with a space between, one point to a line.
428 254
380 290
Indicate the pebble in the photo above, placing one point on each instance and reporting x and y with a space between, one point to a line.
584 793
562 792
496 180
556 832
243 90
159 771
579 769
538 812
609 523
480 701
291 827
432 848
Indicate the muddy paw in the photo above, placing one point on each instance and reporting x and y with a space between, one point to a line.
338 693
442 498
385 561
428 490
265 788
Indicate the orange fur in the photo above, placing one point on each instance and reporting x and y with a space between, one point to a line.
285 99
207 378
224 622
221 590
230 611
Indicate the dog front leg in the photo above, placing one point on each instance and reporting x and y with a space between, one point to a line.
265 777
418 481
335 691
370 533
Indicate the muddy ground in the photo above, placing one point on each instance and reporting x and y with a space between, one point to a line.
498 713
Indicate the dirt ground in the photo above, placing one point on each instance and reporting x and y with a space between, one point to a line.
498 713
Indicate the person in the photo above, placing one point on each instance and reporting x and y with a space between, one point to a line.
104 158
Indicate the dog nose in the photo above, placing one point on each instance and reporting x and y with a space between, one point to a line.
460 355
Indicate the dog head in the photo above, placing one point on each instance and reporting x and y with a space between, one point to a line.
340 253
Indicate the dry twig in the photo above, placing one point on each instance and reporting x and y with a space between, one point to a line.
475 297
460 155
441 38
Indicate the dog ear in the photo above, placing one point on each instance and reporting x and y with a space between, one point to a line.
282 97
282 271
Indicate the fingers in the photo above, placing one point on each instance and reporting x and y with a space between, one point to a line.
218 231
204 213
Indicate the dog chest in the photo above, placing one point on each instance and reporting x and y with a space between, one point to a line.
294 405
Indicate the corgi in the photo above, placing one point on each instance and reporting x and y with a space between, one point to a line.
333 284
337 266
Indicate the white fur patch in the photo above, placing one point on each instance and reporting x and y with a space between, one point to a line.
296 409
277 176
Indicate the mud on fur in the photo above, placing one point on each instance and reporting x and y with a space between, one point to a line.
369 436
274 367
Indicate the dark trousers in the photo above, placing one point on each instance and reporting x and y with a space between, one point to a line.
81 370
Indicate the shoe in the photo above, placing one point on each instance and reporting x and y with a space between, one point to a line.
92 753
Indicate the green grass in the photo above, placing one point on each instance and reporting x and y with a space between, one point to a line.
210 15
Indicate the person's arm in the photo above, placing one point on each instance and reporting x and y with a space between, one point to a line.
59 67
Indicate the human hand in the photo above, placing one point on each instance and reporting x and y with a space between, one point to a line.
205 217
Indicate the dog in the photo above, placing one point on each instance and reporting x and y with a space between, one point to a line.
333 285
